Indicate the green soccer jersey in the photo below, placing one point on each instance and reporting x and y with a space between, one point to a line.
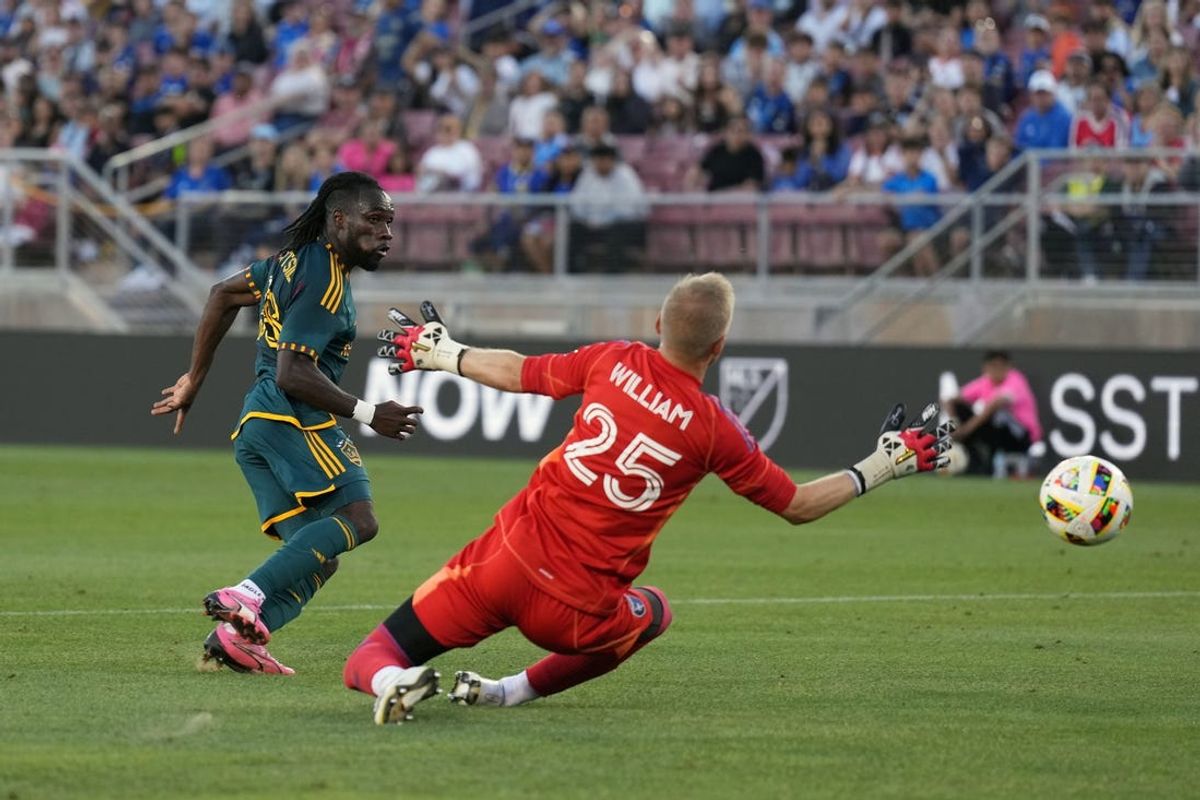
305 305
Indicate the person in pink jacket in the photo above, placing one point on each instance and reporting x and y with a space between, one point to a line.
997 412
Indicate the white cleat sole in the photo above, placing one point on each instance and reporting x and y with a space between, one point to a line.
396 703
466 688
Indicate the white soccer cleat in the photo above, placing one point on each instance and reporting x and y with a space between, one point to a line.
472 689
395 704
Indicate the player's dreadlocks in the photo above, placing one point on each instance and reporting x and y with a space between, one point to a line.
334 193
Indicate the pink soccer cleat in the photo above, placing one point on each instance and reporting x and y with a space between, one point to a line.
225 646
240 610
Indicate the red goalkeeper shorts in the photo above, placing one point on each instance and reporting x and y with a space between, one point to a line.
483 590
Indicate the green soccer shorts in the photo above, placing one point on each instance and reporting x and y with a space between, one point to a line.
298 475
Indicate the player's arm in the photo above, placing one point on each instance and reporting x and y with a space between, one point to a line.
297 375
499 369
225 299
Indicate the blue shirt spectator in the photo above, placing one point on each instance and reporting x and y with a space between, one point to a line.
821 172
1046 123
511 179
770 110
205 180
395 28
914 181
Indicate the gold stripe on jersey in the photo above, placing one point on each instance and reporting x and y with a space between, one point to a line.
324 465
253 285
299 348
291 512
346 531
331 301
267 415
334 460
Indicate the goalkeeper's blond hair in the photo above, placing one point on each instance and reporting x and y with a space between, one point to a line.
696 313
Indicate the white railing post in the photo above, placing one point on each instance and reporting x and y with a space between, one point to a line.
7 256
1033 224
62 226
976 235
562 233
183 224
763 219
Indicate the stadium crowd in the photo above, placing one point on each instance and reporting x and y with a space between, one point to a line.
603 100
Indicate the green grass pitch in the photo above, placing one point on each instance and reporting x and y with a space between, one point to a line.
931 640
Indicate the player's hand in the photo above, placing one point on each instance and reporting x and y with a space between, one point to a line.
178 399
902 450
425 346
395 421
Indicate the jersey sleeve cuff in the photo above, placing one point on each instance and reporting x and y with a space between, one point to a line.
299 348
253 285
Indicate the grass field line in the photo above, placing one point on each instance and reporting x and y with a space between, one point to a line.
692 601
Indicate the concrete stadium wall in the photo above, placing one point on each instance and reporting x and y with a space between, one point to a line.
814 407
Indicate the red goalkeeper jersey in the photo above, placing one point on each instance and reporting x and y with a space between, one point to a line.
644 436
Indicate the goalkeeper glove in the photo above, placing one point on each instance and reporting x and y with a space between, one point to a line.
919 446
415 346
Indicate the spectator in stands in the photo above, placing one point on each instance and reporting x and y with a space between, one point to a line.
245 35
876 160
241 97
302 90
1153 62
899 90
608 210
893 40
1138 227
575 96
863 19
864 102
673 118
396 24
801 68
1179 85
1152 17
972 153
594 129
715 101
1146 101
743 73
109 138
1167 129
913 220
199 175
292 173
1099 123
324 165
257 174
759 18
369 151
346 113
1035 54
43 123
537 238
553 58
1071 91
680 66
527 110
452 163
999 81
834 74
1116 33
321 37
945 67
354 46
997 152
824 159
291 28
1064 39
996 413
969 104
398 178
489 113
1073 225
628 113
454 83
497 248
554 137
1115 74
768 108
74 133
784 178
824 21
734 163
1045 124
940 157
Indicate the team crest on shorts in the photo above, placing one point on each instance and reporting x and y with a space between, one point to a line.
350 451
635 604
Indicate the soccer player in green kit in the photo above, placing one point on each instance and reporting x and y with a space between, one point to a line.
306 475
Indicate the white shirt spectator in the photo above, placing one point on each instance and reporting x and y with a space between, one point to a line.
449 167
946 73
525 114
455 89
821 24
307 90
797 78
936 165
1071 97
873 170
676 78
861 24
621 188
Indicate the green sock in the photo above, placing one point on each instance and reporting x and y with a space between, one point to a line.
283 607
304 553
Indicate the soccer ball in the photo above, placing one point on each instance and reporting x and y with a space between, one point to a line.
1086 500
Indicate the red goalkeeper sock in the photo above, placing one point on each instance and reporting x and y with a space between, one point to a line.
556 673
378 651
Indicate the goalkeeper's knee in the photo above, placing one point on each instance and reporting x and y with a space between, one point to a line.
659 610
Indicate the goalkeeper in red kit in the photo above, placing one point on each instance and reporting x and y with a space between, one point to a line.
560 559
